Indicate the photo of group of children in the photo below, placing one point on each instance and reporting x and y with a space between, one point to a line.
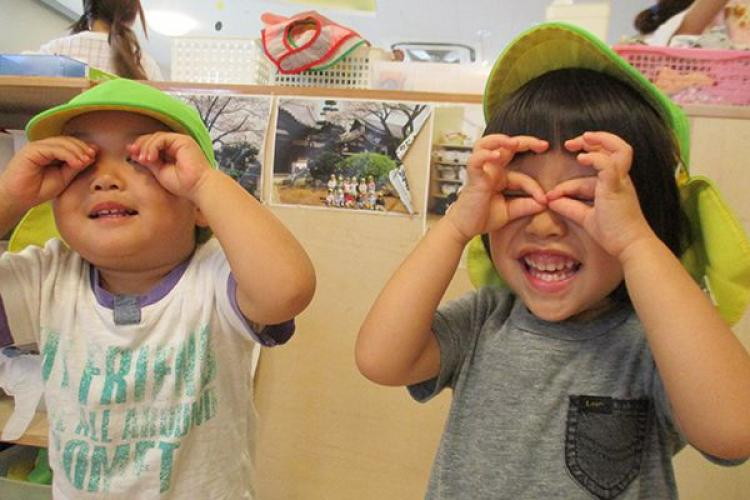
345 154
348 193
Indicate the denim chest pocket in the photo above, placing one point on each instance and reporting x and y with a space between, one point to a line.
604 442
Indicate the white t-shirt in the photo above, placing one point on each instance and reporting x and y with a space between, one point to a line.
93 48
148 396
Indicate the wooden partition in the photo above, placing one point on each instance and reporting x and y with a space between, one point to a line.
327 433
720 142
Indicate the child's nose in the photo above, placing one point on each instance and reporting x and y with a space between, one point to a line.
546 224
106 176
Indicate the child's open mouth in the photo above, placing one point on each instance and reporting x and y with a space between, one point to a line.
111 211
550 268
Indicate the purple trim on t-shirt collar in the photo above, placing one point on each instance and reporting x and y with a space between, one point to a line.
167 283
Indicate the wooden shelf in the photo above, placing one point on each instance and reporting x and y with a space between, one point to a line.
715 111
37 432
448 164
21 97
453 146
281 90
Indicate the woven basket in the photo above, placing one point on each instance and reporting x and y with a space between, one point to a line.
694 76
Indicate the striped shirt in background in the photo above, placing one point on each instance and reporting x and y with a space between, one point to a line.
92 48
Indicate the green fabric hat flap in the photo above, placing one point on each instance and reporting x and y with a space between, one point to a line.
120 94
719 255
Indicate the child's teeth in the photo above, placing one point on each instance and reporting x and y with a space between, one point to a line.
550 269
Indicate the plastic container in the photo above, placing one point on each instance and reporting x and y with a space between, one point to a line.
430 77
694 76
352 72
41 65
219 60
11 489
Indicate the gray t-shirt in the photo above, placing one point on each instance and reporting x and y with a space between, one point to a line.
548 410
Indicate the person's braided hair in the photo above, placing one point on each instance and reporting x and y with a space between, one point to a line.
120 16
649 19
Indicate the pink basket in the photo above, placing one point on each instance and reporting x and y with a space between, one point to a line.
694 76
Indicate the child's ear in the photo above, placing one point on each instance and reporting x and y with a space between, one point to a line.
200 219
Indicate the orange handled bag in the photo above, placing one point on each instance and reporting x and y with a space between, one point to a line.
306 41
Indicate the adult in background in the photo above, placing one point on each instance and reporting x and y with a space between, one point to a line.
668 18
103 37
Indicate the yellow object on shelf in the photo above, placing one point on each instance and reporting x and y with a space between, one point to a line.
356 5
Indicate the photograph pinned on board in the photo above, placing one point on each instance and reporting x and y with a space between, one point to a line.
455 130
237 125
344 154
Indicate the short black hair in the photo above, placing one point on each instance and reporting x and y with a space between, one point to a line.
647 20
562 104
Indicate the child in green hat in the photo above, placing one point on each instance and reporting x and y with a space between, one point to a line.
597 356
146 334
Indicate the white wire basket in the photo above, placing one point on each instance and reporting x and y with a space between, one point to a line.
351 72
219 60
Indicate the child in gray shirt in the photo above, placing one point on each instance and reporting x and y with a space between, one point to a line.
599 357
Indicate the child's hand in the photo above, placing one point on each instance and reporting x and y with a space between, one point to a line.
606 205
483 204
175 159
42 170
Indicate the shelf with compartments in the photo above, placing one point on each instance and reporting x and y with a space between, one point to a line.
37 431
447 174
21 97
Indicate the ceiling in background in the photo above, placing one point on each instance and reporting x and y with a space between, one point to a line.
486 25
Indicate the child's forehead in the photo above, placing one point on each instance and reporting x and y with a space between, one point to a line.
113 122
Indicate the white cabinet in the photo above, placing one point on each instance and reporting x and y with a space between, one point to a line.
447 175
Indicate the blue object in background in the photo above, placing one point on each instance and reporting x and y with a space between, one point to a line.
41 65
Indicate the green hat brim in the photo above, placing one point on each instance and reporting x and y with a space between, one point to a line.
122 94
52 122
552 46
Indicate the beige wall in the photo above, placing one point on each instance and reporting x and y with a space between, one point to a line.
720 151
26 24
327 433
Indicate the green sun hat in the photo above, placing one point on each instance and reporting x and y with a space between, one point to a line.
120 94
552 46
718 257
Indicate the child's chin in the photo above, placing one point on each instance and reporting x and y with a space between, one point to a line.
555 313
550 316
551 312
